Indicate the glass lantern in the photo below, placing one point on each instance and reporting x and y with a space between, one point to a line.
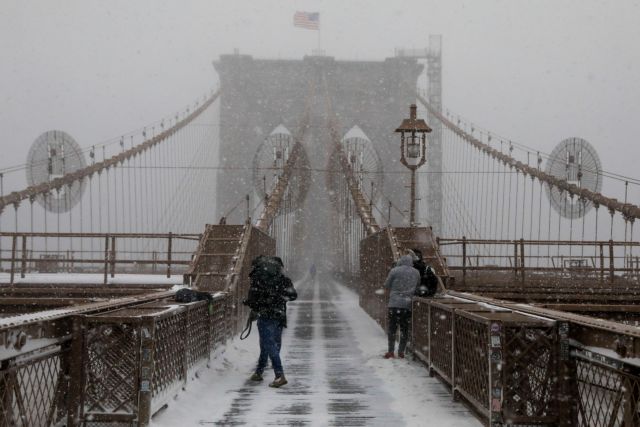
413 140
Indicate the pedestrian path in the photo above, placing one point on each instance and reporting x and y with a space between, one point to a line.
332 356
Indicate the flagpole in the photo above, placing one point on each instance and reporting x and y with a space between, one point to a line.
319 29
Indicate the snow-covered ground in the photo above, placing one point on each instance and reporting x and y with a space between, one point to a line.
332 355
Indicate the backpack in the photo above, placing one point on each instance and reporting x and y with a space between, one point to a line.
265 277
189 295
186 295
428 284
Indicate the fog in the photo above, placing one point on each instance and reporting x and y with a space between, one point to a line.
533 71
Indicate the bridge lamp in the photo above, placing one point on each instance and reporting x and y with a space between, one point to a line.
413 150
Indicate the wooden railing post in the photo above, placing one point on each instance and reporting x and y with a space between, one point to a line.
601 261
23 267
169 245
454 393
611 261
464 258
106 258
14 243
113 256
515 258
522 258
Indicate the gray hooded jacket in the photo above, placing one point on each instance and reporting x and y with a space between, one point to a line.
402 282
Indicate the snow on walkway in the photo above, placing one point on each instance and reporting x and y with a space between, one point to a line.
332 355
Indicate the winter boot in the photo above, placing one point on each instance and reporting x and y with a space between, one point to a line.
278 382
256 377
389 355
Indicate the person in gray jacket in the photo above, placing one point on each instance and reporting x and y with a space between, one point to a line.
401 285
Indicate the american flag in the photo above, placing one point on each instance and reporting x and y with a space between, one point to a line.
308 20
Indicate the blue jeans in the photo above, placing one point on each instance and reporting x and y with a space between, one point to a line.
270 342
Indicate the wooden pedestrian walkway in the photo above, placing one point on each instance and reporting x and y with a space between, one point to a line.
332 355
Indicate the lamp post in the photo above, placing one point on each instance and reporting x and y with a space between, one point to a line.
413 151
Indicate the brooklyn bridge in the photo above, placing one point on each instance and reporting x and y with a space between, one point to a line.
321 162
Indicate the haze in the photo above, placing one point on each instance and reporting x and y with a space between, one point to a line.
533 71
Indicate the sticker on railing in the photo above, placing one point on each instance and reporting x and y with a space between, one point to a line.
496 392
495 340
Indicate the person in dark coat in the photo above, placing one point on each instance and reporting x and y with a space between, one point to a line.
401 285
418 262
428 279
269 292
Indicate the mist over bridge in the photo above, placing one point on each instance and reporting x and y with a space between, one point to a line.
534 322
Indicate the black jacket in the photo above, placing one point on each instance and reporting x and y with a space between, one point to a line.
428 280
269 291
420 266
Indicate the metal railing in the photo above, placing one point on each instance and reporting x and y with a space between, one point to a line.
134 360
503 363
522 260
33 386
106 361
105 253
513 363
608 390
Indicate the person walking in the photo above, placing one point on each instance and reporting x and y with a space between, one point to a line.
400 285
269 292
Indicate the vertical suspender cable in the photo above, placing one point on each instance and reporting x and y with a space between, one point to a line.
584 215
564 209
1 212
123 209
483 194
82 181
116 227
136 197
626 189
58 221
129 207
549 223
67 202
539 224
634 263
108 228
494 201
515 217
146 191
531 211
46 241
509 200
571 228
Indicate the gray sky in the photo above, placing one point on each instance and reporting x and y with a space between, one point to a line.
535 71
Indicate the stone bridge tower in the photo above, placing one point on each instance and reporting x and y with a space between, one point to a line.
260 94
